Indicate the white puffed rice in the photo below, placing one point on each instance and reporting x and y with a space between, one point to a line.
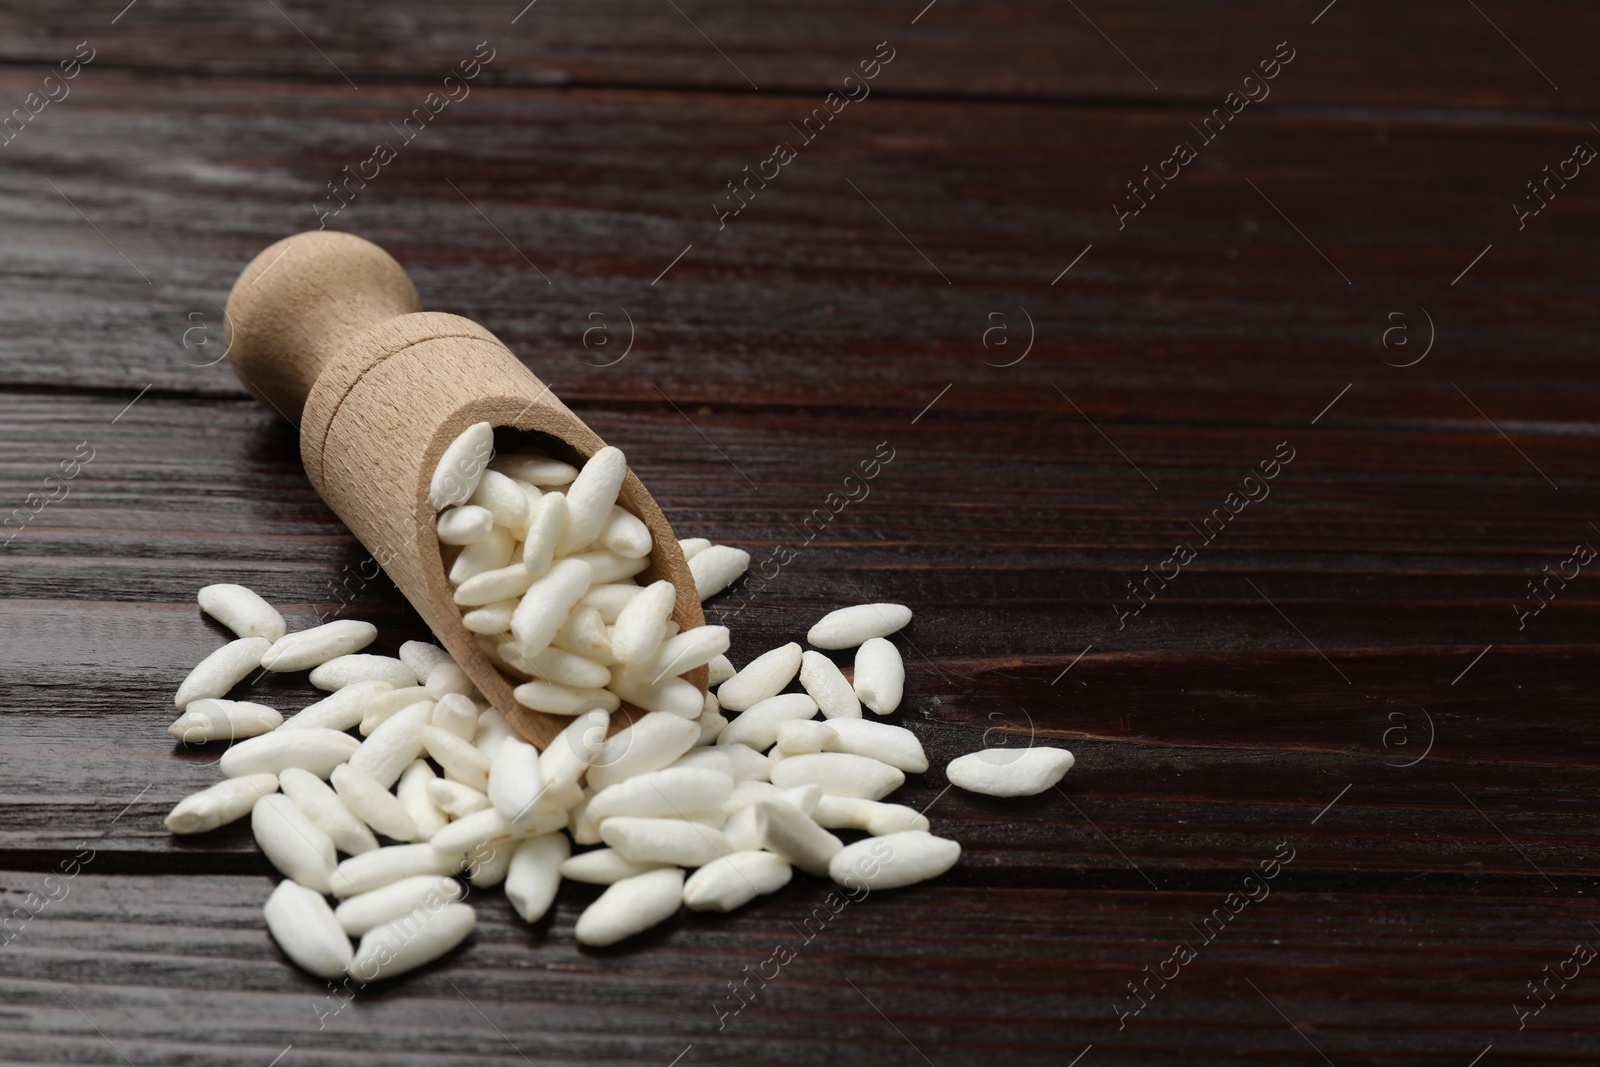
894 745
454 799
341 671
787 831
544 562
630 906
880 676
826 684
734 880
410 941
384 866
373 804
652 742
229 799
873 816
212 719
242 611
464 525
292 842
462 465
316 749
758 726
305 928
219 672
603 866
393 744
343 710
1010 772
893 860
839 774
763 677
721 671
717 567
798 736
852 626
326 811
693 546
412 792
534 468
423 657
535 874
664 840
360 913
305 649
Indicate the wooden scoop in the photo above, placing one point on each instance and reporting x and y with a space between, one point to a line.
326 329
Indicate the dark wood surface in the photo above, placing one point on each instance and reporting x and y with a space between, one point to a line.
1341 672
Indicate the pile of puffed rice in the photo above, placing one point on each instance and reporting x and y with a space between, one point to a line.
542 561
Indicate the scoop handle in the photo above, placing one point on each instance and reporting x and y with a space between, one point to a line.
302 302
326 329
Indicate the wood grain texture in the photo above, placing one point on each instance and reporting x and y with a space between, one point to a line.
1351 668
1423 55
512 992
1181 712
810 295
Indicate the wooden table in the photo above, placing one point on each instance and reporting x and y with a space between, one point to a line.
1346 670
